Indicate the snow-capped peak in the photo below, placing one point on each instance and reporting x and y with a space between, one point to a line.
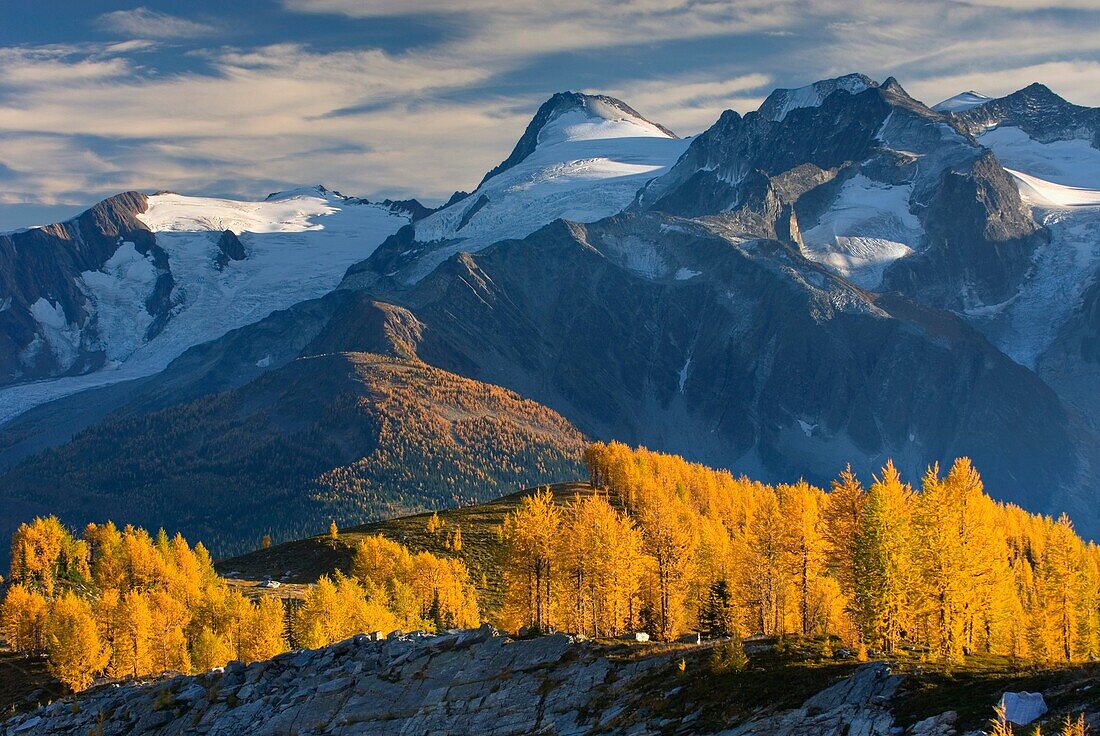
316 190
576 116
781 101
961 101
580 117
583 157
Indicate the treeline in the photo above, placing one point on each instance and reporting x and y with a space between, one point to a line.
121 603
669 546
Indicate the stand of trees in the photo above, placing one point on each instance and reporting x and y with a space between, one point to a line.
669 546
121 603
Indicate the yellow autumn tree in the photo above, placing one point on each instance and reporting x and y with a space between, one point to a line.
953 519
209 650
599 560
883 570
168 617
23 619
337 608
73 645
262 633
130 653
529 535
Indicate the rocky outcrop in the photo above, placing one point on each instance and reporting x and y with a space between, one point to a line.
230 248
859 704
463 682
47 322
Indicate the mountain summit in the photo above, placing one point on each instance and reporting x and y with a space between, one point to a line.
581 158
579 116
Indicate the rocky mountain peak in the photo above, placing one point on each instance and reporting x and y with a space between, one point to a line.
1038 111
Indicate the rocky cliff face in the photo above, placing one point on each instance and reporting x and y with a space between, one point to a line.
47 323
469 682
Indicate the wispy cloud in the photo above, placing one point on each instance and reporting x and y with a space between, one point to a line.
141 22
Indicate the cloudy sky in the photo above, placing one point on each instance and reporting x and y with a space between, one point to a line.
418 98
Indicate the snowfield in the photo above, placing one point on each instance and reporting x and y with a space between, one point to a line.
299 245
1072 163
1048 194
868 227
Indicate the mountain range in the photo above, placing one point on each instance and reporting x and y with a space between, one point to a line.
845 275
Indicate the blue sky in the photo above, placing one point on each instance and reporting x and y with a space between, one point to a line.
418 98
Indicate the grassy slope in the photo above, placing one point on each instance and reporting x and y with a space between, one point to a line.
307 559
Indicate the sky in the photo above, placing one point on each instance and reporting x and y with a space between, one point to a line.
418 98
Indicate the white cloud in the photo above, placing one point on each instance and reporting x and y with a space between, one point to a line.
58 66
503 29
141 22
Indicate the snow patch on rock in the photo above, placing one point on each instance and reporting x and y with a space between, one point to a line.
55 332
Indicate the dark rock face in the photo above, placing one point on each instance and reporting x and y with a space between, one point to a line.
1071 365
980 237
472 210
411 207
1037 111
764 362
230 248
46 264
